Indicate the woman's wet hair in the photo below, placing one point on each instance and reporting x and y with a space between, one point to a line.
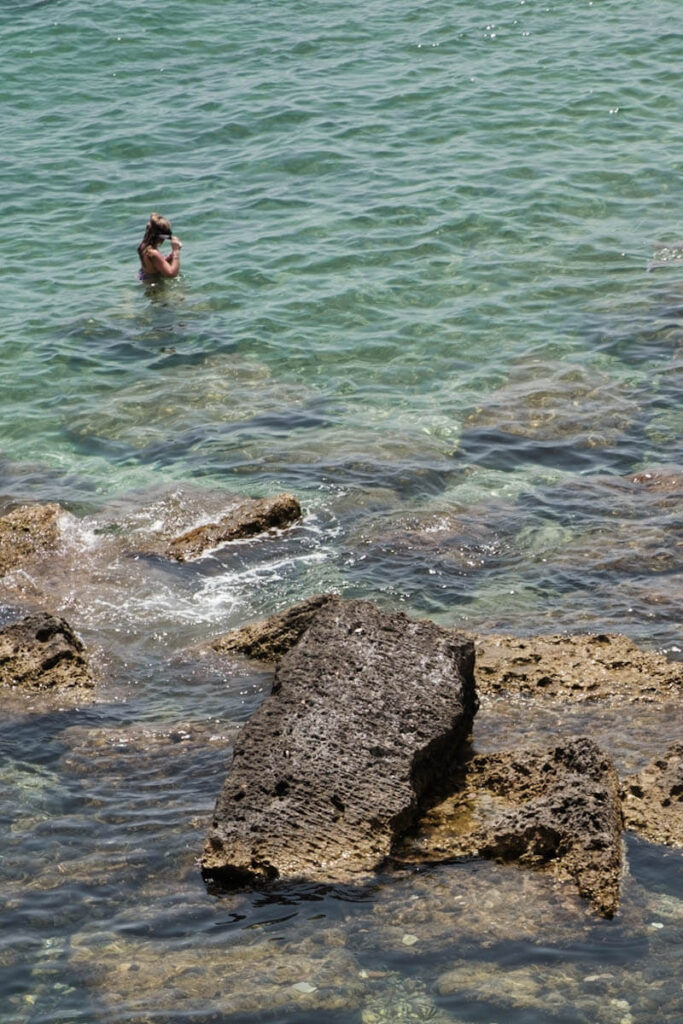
157 229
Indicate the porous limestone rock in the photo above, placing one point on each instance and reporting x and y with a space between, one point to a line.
26 532
577 667
42 652
366 713
248 518
557 808
269 639
653 799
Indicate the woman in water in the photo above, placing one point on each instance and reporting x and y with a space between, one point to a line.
152 262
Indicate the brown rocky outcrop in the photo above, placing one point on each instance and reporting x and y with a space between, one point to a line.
42 652
26 532
367 711
557 809
653 799
248 518
577 667
269 639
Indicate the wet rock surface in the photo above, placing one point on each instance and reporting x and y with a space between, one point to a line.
26 533
556 809
42 652
366 711
270 638
251 516
579 668
653 799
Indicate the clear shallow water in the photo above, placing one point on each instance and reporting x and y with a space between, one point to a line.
416 293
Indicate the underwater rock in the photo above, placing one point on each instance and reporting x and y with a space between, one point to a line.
270 638
445 540
652 799
548 991
42 652
556 808
476 904
27 532
233 980
111 749
658 480
578 667
250 517
548 412
394 999
513 988
366 712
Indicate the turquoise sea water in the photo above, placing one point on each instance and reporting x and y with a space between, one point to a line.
433 285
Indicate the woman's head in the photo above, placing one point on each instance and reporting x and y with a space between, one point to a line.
157 229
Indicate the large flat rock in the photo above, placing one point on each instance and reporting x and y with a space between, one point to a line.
581 667
366 715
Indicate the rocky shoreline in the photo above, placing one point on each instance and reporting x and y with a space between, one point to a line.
358 760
